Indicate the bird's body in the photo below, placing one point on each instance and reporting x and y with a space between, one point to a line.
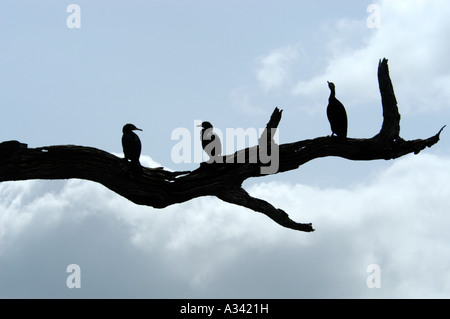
131 143
210 141
337 116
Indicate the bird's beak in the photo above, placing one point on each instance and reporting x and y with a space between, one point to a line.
328 82
199 125
138 129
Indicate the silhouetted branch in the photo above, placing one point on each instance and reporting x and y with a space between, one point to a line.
240 197
160 188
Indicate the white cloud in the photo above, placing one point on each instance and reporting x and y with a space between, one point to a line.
414 37
241 100
273 69
207 248
398 221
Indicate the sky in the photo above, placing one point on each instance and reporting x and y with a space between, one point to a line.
163 65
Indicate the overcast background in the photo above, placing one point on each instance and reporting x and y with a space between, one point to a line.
162 65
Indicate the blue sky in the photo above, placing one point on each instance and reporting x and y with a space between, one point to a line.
161 65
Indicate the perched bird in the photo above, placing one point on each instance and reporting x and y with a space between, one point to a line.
336 114
210 141
131 143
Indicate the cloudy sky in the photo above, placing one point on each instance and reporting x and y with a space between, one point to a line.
163 65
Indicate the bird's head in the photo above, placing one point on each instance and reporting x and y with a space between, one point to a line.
205 125
127 128
331 85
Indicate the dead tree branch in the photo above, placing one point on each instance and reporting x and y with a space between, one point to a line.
160 188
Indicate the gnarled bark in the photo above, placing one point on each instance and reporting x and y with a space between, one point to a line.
160 188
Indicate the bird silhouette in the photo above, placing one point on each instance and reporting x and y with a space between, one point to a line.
336 114
210 141
131 143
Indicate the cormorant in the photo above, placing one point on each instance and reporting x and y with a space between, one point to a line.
336 114
210 141
131 143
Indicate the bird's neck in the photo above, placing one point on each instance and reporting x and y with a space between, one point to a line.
130 133
332 94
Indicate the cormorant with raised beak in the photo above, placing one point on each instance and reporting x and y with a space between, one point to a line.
210 141
131 143
336 114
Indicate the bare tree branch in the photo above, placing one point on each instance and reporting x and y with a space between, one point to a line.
160 188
